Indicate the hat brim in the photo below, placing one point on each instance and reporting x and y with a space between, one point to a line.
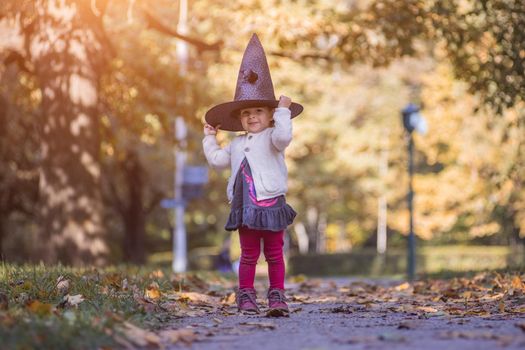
226 114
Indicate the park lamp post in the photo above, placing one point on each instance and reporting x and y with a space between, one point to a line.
180 259
412 120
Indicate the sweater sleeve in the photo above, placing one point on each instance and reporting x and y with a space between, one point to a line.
282 132
216 156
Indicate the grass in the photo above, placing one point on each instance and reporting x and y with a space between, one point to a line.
35 312
429 260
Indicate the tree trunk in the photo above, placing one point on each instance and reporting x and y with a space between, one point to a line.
67 53
321 234
134 216
2 235
3 193
312 220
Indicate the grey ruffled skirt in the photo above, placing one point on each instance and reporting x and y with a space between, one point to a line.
272 214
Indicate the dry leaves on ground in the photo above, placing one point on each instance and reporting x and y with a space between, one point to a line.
484 295
130 336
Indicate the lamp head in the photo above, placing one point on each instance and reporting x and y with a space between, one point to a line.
413 120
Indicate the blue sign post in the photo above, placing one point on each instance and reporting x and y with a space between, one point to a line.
194 179
189 183
195 175
170 203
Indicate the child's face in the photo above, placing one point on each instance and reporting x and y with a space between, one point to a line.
256 119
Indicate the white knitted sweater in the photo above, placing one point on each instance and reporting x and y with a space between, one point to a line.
265 154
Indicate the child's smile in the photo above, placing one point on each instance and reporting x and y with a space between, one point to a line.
256 119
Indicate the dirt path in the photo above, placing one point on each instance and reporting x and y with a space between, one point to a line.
331 320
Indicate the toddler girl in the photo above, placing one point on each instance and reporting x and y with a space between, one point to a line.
258 182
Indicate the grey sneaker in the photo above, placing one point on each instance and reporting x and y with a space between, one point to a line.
246 300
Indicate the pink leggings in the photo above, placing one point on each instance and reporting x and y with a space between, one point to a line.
250 251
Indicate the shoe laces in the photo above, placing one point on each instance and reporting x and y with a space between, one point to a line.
246 295
276 295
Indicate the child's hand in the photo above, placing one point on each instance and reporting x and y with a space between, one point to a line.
285 101
210 130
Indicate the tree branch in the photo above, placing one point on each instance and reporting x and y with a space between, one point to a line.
113 199
155 23
300 56
17 58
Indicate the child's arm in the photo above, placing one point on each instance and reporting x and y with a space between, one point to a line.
282 133
216 156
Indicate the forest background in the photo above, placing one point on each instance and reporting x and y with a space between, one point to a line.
89 91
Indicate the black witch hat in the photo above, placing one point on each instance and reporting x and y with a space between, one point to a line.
254 88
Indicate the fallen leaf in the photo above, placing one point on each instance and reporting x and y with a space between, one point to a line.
152 291
277 313
427 308
231 312
62 285
345 309
356 291
467 294
520 310
112 279
192 313
74 300
501 306
453 310
137 336
517 283
403 286
301 299
146 304
407 324
391 337
479 312
259 324
172 336
157 274
198 298
451 293
365 301
229 299
40 309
